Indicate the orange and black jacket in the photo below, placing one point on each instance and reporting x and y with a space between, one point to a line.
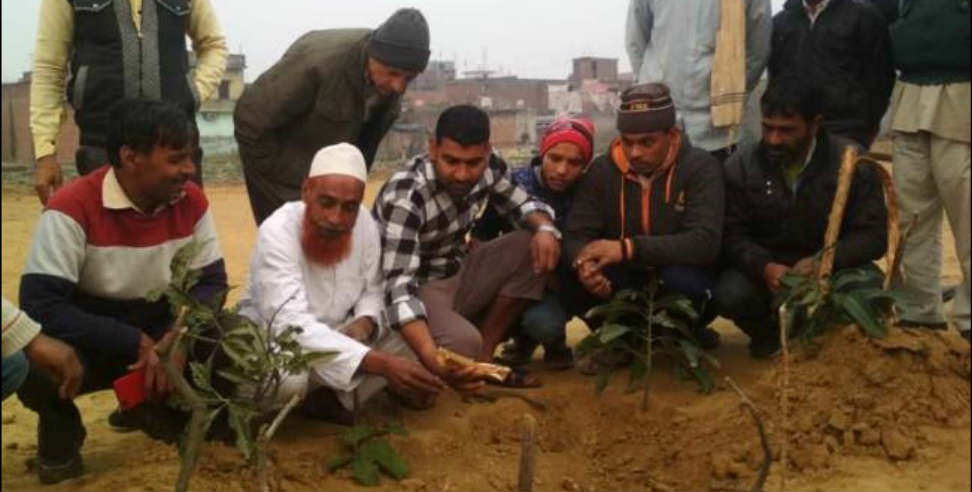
677 220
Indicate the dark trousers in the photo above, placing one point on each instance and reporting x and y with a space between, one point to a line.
695 283
266 195
88 158
60 432
747 303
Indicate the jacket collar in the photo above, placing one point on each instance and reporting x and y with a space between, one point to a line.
817 162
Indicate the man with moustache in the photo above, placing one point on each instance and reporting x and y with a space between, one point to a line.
316 266
778 198
565 151
652 202
103 243
334 85
437 292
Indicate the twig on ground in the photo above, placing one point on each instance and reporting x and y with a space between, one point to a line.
784 393
527 454
763 440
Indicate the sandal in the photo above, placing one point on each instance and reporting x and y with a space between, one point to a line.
518 378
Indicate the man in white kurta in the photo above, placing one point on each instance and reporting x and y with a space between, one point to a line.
316 266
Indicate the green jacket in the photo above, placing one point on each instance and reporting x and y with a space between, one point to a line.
312 97
931 41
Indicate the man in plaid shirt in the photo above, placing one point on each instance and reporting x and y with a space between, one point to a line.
435 293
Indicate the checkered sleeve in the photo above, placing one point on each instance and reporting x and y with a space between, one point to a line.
512 199
398 213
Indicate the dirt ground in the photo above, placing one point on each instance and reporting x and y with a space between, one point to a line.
892 415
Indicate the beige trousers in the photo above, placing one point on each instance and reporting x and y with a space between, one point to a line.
931 174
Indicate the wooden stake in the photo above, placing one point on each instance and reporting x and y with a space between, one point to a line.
844 178
784 393
527 454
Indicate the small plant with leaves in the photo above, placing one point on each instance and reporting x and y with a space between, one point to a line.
637 326
852 295
368 453
258 358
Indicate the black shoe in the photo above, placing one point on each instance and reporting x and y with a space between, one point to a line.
125 420
766 348
323 404
51 473
708 338
558 358
938 325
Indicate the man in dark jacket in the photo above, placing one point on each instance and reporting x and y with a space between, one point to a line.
565 152
778 198
331 86
653 201
842 47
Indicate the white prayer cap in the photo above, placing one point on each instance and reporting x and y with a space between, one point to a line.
342 158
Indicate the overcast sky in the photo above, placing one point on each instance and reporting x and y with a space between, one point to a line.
528 38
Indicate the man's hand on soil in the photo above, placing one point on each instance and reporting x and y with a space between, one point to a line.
403 374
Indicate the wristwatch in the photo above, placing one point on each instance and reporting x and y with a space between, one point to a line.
551 229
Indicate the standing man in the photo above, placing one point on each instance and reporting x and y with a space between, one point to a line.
336 85
316 265
843 48
437 293
778 199
565 152
673 41
103 243
653 201
99 52
930 124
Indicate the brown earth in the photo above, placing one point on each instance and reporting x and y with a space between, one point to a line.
865 415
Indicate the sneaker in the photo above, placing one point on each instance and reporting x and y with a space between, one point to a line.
767 348
708 338
558 358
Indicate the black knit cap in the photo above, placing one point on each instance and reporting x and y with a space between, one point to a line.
402 41
646 108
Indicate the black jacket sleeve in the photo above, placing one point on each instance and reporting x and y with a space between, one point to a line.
880 69
741 250
585 220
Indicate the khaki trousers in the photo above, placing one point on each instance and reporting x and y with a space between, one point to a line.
931 173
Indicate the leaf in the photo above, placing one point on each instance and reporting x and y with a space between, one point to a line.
240 420
382 453
691 353
677 304
704 379
201 377
862 314
236 378
365 471
356 434
855 278
338 462
397 429
608 332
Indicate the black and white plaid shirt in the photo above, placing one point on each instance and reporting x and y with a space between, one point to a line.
423 230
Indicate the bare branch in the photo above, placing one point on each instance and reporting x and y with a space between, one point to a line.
527 454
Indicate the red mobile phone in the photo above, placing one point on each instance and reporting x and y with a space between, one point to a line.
130 389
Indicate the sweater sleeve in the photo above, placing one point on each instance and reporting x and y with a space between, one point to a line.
49 284
18 329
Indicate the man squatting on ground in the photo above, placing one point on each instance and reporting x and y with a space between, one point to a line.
437 293
316 266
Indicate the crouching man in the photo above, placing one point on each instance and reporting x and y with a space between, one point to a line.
652 201
778 197
104 242
316 266
437 292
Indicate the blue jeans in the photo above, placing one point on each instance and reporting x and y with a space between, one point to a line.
543 322
15 368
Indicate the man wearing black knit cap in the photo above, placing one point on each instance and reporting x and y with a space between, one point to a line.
651 202
331 86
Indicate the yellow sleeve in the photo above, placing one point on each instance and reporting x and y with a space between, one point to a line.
209 44
55 31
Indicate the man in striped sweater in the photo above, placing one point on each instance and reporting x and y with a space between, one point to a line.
102 244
